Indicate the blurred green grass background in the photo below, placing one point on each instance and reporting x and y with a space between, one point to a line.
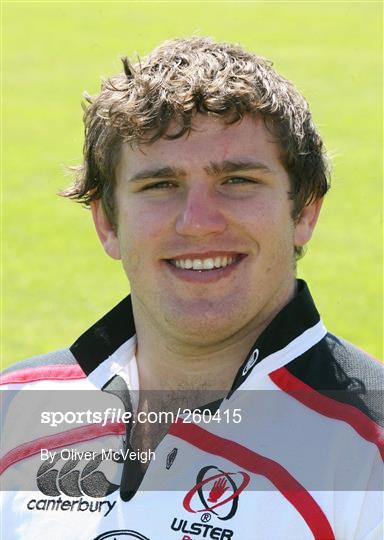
56 279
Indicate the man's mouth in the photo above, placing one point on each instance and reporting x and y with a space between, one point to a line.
204 264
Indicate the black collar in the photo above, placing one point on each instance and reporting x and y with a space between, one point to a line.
104 337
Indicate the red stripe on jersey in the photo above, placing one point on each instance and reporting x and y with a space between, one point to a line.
364 426
290 488
60 440
44 373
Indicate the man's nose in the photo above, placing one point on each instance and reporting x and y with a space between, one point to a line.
200 213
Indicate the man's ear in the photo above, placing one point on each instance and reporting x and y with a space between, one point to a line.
306 222
105 230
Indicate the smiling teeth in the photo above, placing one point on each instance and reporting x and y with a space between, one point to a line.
203 264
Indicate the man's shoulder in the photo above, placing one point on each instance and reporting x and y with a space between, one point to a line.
343 373
353 362
334 362
55 365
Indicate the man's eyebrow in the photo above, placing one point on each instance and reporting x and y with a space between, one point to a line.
229 166
213 169
157 172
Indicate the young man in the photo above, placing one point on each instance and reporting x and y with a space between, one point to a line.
205 176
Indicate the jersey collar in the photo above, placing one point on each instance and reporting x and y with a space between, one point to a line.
295 329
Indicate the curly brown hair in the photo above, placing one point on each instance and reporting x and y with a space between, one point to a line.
177 80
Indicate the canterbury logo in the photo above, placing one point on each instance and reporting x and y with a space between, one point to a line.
53 480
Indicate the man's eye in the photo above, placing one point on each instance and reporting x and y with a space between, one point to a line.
240 180
165 184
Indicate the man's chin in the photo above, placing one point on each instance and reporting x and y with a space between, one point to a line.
204 326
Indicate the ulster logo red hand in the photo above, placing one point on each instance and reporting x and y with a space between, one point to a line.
219 488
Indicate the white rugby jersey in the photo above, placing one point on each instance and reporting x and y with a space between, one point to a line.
294 450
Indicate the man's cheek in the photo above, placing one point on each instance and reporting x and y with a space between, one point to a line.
133 266
132 258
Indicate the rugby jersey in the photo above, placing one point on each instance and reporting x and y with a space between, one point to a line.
293 451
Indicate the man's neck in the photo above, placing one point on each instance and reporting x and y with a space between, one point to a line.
161 367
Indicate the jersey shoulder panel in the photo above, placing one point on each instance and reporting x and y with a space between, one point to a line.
339 370
56 365
355 363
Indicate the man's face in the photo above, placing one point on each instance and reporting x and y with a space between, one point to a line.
204 230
